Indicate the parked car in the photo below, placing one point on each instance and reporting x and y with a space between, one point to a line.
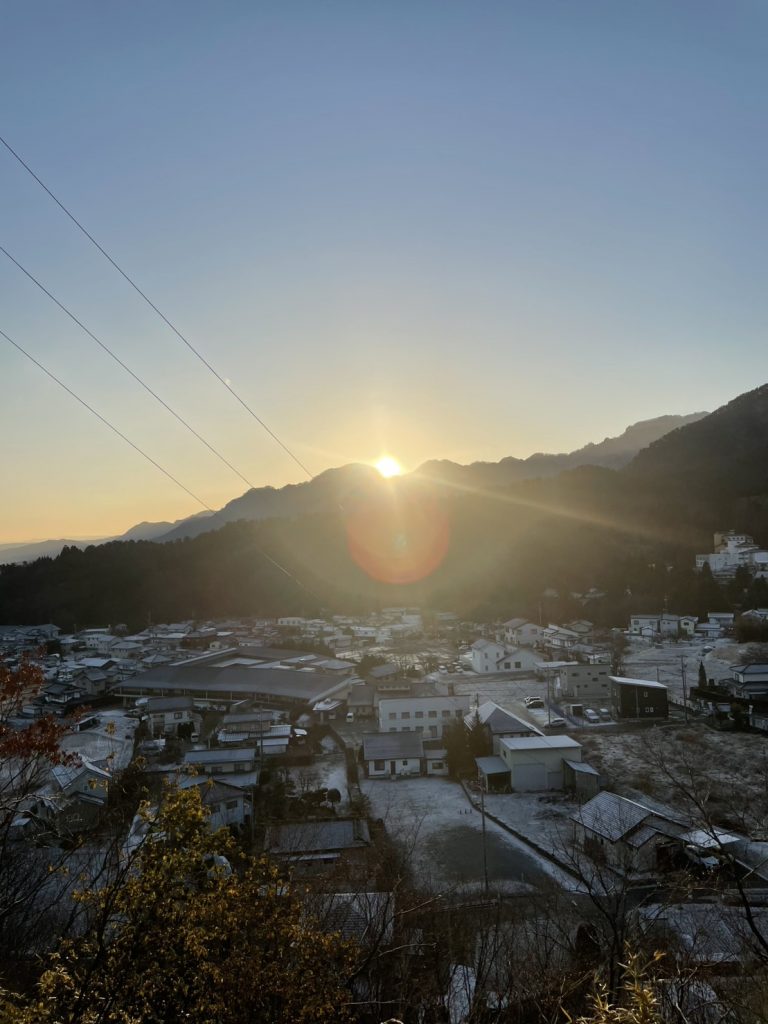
534 702
605 714
591 716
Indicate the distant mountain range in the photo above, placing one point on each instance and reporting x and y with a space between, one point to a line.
331 488
483 540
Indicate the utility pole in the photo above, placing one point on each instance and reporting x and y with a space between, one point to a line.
685 691
485 852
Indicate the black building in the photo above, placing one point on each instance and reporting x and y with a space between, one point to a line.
638 699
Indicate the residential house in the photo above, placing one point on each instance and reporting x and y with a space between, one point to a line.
750 682
662 624
320 847
559 638
402 753
489 656
583 683
522 633
226 806
166 715
627 835
640 699
497 722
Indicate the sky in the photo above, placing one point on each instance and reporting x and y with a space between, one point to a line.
428 229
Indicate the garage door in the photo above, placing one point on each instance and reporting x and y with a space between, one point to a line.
529 777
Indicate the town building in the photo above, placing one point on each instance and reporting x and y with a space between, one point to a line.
402 753
427 714
536 762
577 682
639 699
497 722
733 551
489 656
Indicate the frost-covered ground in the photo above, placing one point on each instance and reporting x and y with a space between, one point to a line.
442 836
644 660
111 741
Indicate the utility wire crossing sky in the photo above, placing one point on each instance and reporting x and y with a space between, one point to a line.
415 231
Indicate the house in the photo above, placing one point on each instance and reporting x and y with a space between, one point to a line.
662 624
536 762
231 760
490 656
226 805
578 682
83 779
361 700
315 847
522 633
627 835
638 699
580 779
560 638
427 714
166 715
750 681
497 722
402 753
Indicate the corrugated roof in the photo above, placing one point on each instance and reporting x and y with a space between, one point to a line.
611 816
381 746
316 836
540 743
647 684
492 765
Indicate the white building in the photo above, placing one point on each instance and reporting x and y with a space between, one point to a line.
393 754
427 715
522 633
732 551
490 656
583 683
536 762
662 624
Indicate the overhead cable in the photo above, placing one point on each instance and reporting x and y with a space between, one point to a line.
127 369
105 421
159 312
144 454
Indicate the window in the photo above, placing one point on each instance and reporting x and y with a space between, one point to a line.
405 714
378 766
404 764
419 728
418 714
649 711
507 664
458 714
436 765
446 714
392 715
231 805
432 714
178 714
518 664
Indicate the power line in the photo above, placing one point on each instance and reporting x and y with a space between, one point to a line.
127 369
159 312
144 454
105 421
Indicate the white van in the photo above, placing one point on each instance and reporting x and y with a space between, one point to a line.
350 716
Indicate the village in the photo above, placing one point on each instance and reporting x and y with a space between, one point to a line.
487 761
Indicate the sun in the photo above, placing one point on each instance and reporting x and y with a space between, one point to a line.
388 466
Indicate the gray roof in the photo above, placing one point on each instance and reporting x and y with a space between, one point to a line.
155 704
396 745
611 816
492 765
581 766
647 684
500 721
220 754
315 836
361 696
276 683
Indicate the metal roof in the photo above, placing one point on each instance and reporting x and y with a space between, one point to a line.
492 765
611 816
540 743
647 684
380 746
315 836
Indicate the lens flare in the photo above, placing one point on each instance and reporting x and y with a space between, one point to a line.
397 539
389 466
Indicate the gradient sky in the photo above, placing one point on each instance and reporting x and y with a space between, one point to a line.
437 229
